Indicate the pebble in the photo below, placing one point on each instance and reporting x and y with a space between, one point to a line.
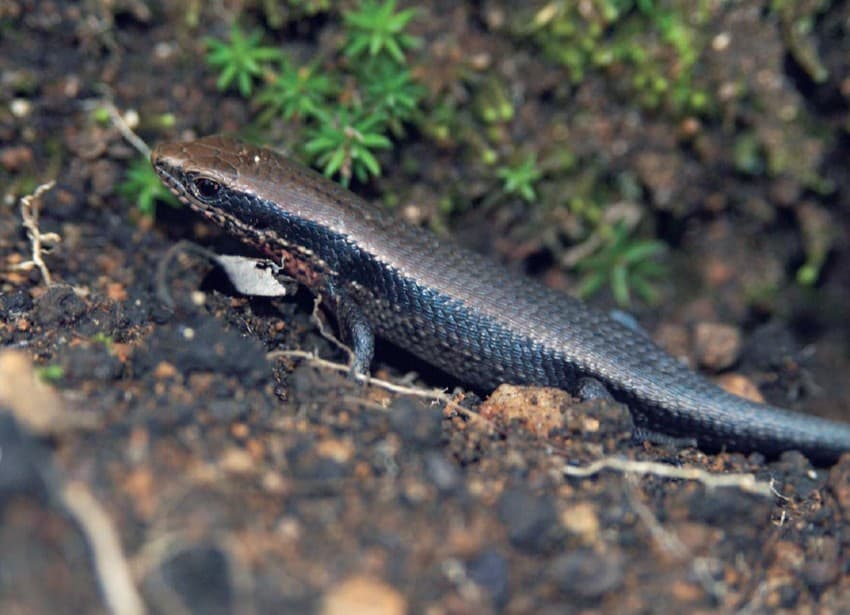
717 346
15 303
362 595
582 520
418 423
25 461
531 520
539 409
15 158
584 573
199 578
490 571
60 305
441 472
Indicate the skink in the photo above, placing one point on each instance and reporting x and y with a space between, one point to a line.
459 311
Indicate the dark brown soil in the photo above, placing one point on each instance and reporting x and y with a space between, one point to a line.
238 483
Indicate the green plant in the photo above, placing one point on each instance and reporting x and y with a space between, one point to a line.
376 28
657 44
102 338
493 102
50 374
748 154
390 89
340 113
241 60
295 92
624 262
142 185
343 143
520 180
101 115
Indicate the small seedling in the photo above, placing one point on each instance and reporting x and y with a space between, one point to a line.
343 144
520 180
142 185
242 59
295 92
375 28
625 262
345 110
390 89
102 338
50 374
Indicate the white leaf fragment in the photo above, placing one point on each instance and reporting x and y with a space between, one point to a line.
253 276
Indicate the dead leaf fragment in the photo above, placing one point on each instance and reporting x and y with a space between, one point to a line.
34 403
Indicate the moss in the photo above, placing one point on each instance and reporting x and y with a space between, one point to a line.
342 110
654 47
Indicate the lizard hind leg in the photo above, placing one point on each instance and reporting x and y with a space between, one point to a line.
356 332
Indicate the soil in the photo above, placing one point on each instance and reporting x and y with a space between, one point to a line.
237 482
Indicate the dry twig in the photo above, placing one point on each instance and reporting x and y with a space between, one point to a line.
113 571
432 394
40 242
124 128
744 482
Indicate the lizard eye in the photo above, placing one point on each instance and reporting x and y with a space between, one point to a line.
205 189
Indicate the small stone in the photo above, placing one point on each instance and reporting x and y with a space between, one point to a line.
60 305
819 574
362 595
441 472
164 370
15 303
582 520
199 578
674 339
532 521
417 423
116 291
240 431
15 158
490 571
686 592
141 486
539 409
717 346
839 483
789 554
223 410
237 461
20 107
340 451
584 573
741 386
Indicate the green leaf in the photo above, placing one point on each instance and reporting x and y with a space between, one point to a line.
590 284
335 162
369 161
642 250
376 140
620 285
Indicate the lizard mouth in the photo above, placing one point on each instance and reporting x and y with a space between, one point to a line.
172 180
166 175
